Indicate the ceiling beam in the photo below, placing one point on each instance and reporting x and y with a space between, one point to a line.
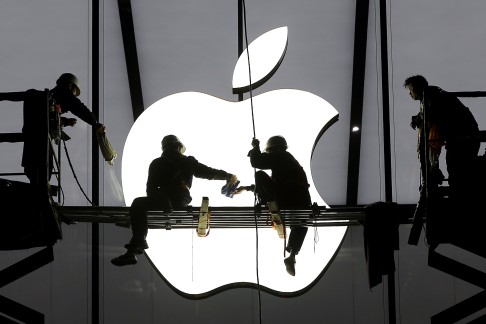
357 93
131 58
385 92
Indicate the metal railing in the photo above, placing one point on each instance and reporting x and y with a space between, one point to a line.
50 150
227 217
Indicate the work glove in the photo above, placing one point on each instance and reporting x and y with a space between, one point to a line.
416 121
255 143
100 128
233 179
68 121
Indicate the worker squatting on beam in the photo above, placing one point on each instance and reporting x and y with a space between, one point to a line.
288 187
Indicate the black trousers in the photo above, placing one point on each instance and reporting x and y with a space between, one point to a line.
268 190
461 159
141 205
36 156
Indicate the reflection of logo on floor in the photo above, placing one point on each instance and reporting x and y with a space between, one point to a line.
218 133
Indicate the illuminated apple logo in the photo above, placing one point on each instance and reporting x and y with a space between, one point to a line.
218 133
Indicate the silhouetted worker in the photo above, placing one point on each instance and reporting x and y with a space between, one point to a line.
288 187
62 99
447 122
169 181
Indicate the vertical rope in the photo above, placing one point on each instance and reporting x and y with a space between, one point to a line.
102 101
254 136
249 70
192 250
87 161
393 102
377 98
394 148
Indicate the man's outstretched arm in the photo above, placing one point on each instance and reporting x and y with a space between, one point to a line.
12 96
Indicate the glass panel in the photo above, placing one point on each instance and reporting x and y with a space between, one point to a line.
40 41
191 45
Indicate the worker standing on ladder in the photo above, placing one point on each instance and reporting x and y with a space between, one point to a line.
169 181
62 98
288 187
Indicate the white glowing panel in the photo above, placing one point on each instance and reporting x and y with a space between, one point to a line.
218 133
266 53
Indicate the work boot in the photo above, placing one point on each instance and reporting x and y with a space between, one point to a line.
128 258
290 265
137 245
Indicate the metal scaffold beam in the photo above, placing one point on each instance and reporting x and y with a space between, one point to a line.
224 217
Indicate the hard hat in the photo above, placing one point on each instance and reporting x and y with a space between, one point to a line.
275 141
69 78
169 140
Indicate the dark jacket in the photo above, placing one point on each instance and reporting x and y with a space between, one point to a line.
69 102
34 100
173 172
287 173
454 120
60 96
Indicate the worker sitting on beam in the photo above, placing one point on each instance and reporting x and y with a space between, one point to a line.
169 181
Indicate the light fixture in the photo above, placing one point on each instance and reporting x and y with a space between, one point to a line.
218 133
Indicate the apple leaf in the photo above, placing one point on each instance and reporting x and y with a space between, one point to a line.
266 55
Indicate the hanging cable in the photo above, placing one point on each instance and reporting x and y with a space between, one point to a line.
61 192
193 224
74 173
378 98
316 236
393 103
249 69
77 181
394 145
88 254
254 136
